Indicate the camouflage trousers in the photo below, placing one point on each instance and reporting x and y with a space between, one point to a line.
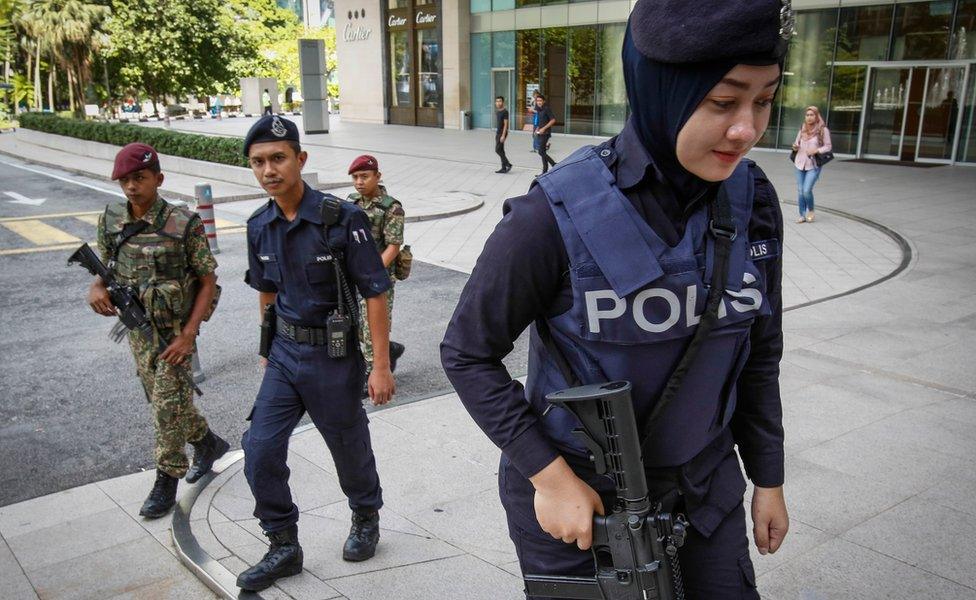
365 339
176 419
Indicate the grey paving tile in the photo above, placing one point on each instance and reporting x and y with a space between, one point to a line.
824 411
389 519
322 541
413 483
233 536
135 569
31 515
840 569
937 539
75 538
475 524
13 581
129 488
800 540
834 501
306 586
458 577
958 493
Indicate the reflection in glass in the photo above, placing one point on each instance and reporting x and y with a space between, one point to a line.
964 36
503 49
521 3
479 6
967 146
846 101
502 4
922 30
886 111
399 69
481 101
807 74
941 115
611 106
554 51
581 70
527 47
397 3
429 68
864 32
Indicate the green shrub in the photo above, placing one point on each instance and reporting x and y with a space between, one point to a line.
223 150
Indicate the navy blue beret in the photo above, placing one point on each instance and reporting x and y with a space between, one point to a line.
270 128
685 31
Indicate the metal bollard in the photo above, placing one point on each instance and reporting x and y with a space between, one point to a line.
204 196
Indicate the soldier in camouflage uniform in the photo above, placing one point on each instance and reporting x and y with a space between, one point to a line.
162 251
385 214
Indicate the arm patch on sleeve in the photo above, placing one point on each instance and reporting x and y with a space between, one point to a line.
763 249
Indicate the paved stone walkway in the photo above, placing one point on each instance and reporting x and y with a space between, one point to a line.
879 395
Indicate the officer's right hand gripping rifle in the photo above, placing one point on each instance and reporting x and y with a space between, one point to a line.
132 314
635 547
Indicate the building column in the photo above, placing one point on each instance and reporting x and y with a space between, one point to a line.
456 44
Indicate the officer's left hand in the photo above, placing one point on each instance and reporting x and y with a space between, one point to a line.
381 386
179 349
769 518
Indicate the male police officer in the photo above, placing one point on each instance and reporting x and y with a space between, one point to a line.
628 256
303 248
162 251
386 216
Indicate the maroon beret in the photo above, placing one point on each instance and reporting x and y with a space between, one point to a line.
134 157
364 163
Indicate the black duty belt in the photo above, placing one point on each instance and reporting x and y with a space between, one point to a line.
314 336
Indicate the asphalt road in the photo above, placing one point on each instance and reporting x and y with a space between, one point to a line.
71 408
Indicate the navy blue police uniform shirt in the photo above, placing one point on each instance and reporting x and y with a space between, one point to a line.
291 258
523 274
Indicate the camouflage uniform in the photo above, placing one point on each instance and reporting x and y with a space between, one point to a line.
385 214
164 263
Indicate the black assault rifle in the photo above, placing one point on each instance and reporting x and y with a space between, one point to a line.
132 314
635 546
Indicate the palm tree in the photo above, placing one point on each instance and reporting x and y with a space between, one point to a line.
69 31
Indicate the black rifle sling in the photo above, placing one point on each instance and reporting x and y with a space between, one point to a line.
722 228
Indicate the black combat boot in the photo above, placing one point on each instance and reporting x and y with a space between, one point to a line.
161 498
363 536
205 452
283 559
396 351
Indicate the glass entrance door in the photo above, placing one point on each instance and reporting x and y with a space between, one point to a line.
501 85
913 113
884 118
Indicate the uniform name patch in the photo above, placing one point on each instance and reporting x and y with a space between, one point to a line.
266 257
323 258
763 249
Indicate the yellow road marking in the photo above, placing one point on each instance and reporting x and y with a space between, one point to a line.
40 233
53 216
224 224
90 219
41 249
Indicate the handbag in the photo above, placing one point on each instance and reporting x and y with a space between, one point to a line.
822 158
793 156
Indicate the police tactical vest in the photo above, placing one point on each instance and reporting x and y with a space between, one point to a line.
154 262
636 305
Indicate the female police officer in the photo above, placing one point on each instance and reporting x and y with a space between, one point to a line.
612 251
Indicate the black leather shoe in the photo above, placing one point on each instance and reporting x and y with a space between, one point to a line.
363 536
502 170
161 498
205 452
396 351
283 559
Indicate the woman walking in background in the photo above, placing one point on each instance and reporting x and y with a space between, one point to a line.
812 139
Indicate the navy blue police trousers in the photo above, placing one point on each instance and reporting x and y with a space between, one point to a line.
302 378
714 568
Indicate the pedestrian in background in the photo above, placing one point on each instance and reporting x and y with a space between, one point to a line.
501 133
535 94
386 218
542 123
161 250
266 101
812 139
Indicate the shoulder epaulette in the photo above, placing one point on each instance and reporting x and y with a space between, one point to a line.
261 209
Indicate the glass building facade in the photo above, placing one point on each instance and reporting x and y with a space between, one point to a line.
894 81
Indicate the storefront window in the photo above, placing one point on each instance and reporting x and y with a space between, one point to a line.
480 6
503 49
922 30
502 4
481 100
611 107
964 36
522 3
864 32
807 75
397 3
429 67
581 71
399 69
846 103
528 74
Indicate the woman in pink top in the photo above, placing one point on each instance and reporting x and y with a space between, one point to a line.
812 139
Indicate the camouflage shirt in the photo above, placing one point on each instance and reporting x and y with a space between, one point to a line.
197 248
387 223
